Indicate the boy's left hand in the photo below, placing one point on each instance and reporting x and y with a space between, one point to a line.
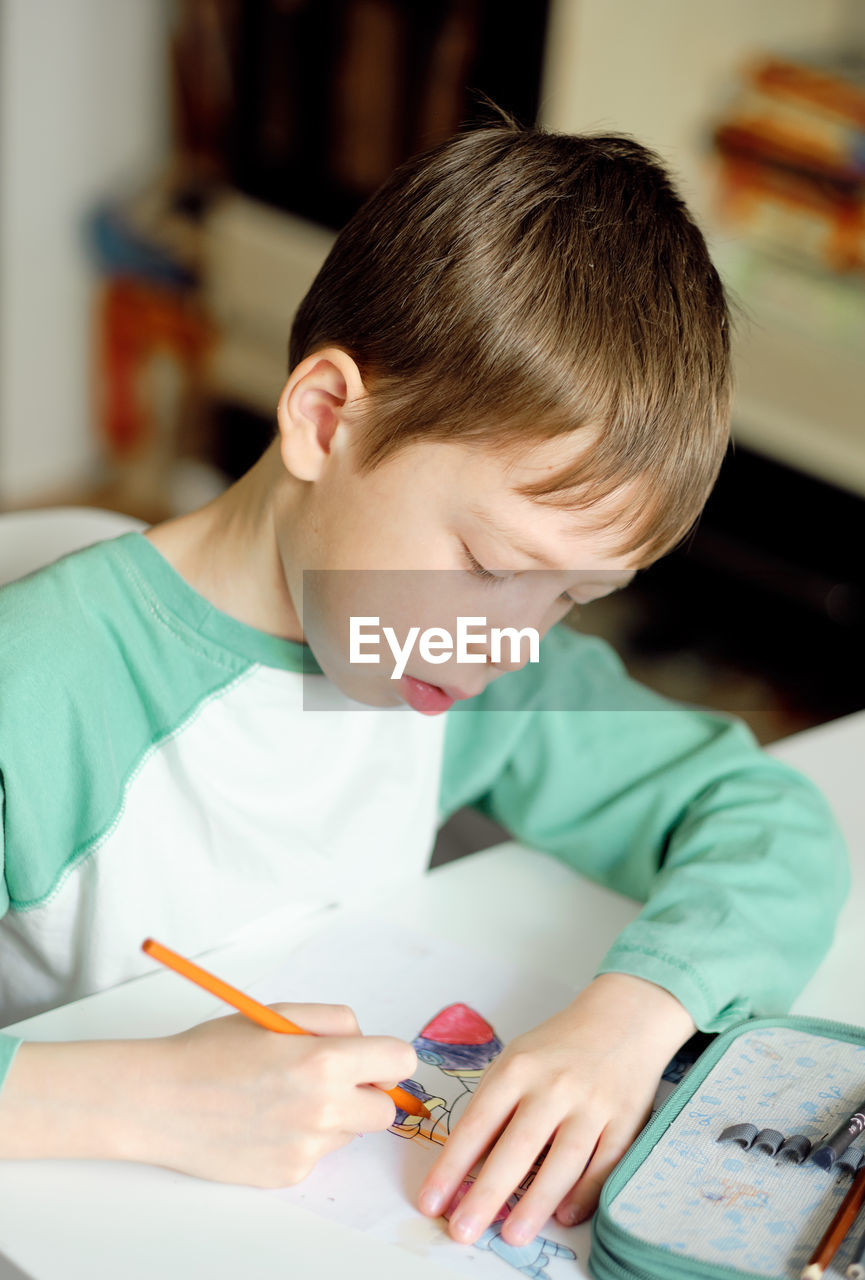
582 1082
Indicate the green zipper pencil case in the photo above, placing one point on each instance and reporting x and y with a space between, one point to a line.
719 1185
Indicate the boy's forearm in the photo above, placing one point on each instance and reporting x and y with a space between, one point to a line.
88 1100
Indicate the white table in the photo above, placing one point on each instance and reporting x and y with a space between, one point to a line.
75 1220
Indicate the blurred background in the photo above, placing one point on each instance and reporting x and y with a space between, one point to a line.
172 173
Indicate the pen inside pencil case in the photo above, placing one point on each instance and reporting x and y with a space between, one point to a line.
831 1151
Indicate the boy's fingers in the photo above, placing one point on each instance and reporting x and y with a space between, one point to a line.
581 1201
364 1061
567 1157
346 1054
320 1019
479 1126
504 1168
370 1110
385 1060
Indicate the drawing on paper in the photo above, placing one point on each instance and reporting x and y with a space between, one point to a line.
454 1049
529 1259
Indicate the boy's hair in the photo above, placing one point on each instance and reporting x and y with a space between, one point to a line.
512 285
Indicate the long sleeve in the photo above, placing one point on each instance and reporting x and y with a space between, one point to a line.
8 1044
736 856
8 1048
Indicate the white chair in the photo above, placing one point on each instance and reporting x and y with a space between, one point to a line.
31 539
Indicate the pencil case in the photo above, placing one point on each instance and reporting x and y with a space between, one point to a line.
699 1195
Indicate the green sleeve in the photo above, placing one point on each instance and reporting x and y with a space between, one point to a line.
736 856
8 1048
8 1044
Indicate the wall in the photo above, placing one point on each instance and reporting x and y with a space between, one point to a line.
82 110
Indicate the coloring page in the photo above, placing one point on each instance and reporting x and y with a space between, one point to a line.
459 1009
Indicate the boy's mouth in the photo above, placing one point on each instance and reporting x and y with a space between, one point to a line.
428 699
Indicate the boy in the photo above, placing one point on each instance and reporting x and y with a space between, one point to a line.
513 370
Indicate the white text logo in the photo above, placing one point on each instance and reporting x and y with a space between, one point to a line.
473 643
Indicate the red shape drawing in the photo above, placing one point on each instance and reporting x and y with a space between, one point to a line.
458 1024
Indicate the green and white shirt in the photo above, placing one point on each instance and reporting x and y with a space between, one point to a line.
159 774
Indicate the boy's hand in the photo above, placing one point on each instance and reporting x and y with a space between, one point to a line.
582 1082
261 1108
226 1100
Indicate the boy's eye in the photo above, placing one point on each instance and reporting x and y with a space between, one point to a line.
486 575
478 570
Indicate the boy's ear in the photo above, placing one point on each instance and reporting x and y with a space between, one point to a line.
311 407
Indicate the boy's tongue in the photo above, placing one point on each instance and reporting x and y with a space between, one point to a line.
429 699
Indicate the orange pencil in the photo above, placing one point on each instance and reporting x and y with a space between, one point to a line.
260 1013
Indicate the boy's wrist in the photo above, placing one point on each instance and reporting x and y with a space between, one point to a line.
645 1008
85 1100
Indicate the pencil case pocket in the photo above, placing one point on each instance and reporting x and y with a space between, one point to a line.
684 1205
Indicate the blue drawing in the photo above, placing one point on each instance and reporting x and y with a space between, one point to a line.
529 1259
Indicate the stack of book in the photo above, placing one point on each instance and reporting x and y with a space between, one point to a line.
258 263
791 152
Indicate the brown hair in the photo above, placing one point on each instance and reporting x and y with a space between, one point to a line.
511 285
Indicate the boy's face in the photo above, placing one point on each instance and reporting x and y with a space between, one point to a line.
437 532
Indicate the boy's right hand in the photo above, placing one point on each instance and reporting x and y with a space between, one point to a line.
226 1100
254 1106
